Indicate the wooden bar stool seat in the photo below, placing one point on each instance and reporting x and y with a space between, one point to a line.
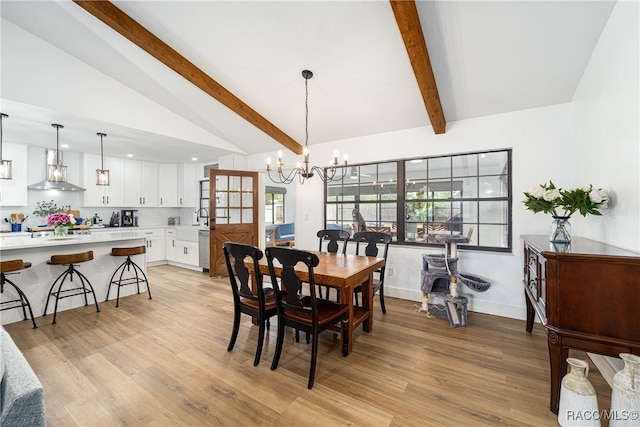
84 288
138 274
13 267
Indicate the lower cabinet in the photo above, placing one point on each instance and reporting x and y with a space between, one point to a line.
187 252
155 242
181 251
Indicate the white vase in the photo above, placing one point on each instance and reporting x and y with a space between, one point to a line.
625 395
578 400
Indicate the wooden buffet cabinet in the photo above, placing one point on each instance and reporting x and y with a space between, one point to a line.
587 296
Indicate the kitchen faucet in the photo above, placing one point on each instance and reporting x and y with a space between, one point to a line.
206 218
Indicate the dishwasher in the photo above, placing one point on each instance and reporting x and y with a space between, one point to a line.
203 249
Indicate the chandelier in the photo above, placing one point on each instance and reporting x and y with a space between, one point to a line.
306 172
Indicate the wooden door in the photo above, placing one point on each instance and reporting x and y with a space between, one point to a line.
233 212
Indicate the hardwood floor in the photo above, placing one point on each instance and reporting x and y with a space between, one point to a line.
165 362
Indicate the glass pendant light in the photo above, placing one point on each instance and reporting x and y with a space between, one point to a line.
56 172
5 165
103 177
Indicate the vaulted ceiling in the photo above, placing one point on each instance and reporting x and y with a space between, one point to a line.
487 58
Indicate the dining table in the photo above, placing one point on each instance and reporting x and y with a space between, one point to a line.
343 272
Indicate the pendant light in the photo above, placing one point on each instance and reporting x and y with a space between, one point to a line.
5 165
56 176
57 172
103 176
305 172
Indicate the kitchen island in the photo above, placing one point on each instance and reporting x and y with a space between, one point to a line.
36 281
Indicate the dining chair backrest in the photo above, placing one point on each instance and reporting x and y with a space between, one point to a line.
289 294
372 239
331 237
239 275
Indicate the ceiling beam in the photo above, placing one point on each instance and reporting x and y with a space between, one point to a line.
406 15
119 21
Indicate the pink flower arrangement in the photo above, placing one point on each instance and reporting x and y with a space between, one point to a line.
60 218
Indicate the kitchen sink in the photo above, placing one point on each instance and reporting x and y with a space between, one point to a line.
189 234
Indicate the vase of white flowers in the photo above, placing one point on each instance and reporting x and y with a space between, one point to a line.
561 204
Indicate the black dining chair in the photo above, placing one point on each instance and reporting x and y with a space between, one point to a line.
331 239
303 312
260 304
374 241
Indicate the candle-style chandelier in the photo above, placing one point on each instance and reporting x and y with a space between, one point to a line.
305 172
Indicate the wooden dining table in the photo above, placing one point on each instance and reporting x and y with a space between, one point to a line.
343 272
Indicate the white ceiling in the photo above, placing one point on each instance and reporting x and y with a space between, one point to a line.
488 58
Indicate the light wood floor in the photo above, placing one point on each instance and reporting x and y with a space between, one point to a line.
165 362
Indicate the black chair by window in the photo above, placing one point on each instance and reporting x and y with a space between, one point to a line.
260 304
374 241
306 313
330 240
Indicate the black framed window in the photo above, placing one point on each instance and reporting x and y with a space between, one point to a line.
415 200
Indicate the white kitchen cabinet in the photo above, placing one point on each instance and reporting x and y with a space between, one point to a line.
155 243
103 195
171 244
187 186
168 189
142 184
187 252
179 249
13 192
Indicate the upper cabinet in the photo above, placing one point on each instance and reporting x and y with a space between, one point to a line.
168 182
13 192
187 186
141 189
103 195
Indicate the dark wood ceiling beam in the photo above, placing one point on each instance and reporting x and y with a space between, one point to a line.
406 15
119 21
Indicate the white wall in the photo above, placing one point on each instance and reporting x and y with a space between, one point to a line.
606 142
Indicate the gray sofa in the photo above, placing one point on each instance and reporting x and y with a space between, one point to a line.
21 393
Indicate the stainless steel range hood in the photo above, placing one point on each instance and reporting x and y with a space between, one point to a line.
55 171
56 175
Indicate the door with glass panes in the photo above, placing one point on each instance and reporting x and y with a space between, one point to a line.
233 204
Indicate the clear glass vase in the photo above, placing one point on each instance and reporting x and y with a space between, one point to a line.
560 230
60 230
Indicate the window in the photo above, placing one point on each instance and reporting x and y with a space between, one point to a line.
274 205
203 210
415 200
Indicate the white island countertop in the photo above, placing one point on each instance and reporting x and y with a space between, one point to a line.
42 242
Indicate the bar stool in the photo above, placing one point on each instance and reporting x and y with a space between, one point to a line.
126 265
70 261
11 267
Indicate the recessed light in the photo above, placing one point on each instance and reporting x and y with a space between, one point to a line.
194 158
129 155
64 145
